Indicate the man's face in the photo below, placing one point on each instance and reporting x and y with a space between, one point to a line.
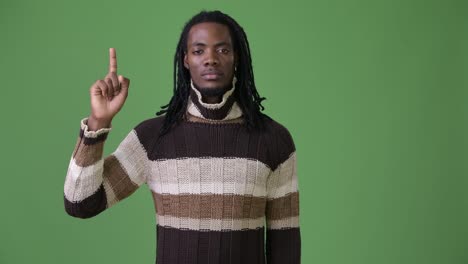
210 58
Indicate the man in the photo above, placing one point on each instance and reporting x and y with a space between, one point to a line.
218 169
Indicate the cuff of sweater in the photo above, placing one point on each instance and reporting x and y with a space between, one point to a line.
93 134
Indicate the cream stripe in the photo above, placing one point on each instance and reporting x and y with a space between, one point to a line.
210 224
283 179
93 134
283 223
133 158
193 110
216 105
234 112
208 175
252 189
82 182
283 190
230 175
187 188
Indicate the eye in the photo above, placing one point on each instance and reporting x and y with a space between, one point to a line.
196 52
225 51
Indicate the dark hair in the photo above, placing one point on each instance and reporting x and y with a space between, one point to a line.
245 92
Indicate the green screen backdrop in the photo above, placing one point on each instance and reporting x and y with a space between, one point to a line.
374 94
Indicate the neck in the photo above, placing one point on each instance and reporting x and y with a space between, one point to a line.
214 108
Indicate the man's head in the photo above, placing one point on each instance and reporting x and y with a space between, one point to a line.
224 49
210 58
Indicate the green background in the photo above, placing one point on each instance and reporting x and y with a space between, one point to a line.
373 92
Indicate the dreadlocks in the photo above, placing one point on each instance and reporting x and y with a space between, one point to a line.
245 93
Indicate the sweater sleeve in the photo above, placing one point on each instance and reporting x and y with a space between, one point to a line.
283 239
94 183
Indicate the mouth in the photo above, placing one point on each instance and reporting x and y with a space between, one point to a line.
212 75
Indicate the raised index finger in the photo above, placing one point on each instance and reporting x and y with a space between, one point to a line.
112 60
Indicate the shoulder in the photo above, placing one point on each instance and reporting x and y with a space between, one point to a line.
279 141
148 129
150 124
278 131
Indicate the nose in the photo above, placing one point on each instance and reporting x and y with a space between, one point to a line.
211 58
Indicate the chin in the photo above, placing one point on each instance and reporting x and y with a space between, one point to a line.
213 85
213 90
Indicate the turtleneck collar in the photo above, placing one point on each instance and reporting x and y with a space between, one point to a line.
227 109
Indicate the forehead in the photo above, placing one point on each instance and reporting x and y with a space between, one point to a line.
208 33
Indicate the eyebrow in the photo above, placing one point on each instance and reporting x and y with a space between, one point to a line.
223 43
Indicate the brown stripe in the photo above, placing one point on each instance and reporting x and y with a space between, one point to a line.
195 247
283 246
118 178
86 155
283 207
196 139
216 206
89 207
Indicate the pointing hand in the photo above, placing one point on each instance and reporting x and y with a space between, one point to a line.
108 95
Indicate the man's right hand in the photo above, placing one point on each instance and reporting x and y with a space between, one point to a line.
107 96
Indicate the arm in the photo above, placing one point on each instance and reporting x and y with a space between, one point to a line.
283 238
94 183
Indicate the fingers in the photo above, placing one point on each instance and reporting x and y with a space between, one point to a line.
112 61
101 87
113 82
105 89
113 77
110 89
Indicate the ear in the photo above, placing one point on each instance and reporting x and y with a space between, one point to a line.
185 61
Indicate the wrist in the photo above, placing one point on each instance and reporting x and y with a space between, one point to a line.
95 124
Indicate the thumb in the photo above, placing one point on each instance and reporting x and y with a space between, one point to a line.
124 82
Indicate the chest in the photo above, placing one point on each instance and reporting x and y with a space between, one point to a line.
201 159
213 175
204 172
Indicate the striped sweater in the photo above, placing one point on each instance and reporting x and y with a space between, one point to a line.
221 194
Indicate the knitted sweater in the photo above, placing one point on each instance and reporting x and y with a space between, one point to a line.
216 186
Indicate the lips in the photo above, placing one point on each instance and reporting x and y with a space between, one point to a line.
211 75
